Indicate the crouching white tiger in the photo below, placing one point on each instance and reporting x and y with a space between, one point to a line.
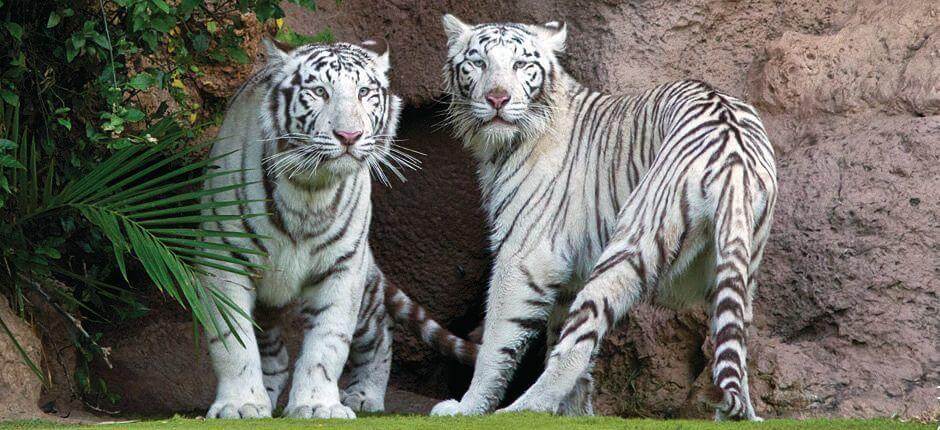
598 200
306 131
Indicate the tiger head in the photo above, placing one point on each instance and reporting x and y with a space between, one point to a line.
330 109
500 79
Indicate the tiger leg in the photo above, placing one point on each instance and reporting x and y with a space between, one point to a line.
370 355
578 401
520 296
275 364
638 252
738 249
329 309
240 390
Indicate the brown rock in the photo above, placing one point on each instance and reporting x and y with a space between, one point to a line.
20 388
883 59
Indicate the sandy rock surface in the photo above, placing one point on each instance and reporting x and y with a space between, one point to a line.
20 389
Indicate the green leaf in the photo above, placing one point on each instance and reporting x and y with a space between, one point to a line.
162 24
19 61
134 115
200 42
101 40
10 162
77 40
238 55
10 97
160 4
15 30
54 19
49 252
6 144
141 81
70 52
65 122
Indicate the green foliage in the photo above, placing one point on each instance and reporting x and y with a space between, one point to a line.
145 203
98 187
289 36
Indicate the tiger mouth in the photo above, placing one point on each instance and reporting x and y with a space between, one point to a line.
347 155
498 120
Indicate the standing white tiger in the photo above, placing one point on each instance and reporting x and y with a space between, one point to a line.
305 131
604 200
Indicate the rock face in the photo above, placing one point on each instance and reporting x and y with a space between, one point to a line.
20 389
847 319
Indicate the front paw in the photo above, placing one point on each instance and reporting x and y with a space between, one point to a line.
527 404
319 411
232 409
360 402
449 408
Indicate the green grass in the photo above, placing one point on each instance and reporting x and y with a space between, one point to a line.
509 422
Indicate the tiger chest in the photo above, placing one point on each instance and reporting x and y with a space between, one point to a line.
290 270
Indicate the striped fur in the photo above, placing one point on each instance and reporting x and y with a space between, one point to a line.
667 194
281 136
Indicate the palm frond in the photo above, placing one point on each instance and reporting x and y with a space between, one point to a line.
152 212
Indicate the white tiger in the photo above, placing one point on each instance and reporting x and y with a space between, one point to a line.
595 201
305 131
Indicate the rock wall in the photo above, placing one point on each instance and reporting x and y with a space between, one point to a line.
847 319
20 388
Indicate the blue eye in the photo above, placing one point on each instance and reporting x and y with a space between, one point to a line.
479 63
320 92
519 64
364 91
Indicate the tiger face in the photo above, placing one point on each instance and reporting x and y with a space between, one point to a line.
500 78
330 108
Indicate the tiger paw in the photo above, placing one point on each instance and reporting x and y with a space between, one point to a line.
362 402
449 408
526 404
319 411
235 410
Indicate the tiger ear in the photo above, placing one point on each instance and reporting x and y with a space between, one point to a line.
453 27
554 33
275 51
379 47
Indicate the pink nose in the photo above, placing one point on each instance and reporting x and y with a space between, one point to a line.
347 138
497 98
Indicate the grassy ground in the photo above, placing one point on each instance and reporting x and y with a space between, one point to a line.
509 422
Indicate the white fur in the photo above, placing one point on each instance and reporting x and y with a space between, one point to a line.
580 199
248 386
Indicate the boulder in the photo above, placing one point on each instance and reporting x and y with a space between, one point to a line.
20 388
